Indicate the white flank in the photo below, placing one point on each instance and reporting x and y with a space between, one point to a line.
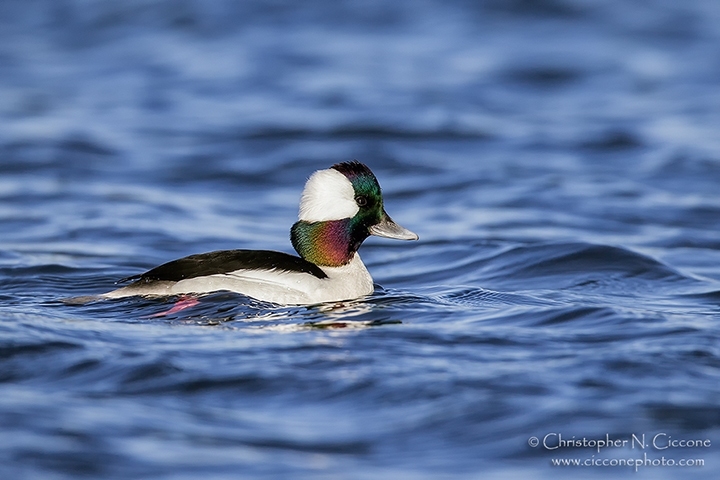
286 288
328 195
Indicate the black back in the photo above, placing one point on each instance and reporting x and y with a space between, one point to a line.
226 261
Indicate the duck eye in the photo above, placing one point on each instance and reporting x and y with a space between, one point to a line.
361 200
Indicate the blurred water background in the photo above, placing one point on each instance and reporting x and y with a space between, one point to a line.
560 160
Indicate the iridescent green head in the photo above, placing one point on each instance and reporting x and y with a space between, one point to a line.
339 208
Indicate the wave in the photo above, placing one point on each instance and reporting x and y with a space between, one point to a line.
575 265
367 131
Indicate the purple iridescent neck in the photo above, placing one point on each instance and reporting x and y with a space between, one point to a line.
331 243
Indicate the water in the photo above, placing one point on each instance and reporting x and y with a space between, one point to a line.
559 160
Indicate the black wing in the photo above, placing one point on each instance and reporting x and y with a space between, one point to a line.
226 261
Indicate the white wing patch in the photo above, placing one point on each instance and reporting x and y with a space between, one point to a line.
328 195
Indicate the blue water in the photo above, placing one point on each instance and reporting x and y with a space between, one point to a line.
559 159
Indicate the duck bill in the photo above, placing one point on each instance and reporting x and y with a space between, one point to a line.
389 229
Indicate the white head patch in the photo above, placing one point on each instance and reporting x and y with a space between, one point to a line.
328 195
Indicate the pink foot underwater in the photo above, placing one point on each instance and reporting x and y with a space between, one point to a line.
180 305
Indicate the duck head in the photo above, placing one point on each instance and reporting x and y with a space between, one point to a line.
339 208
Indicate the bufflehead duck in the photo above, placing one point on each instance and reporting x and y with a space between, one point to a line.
339 208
